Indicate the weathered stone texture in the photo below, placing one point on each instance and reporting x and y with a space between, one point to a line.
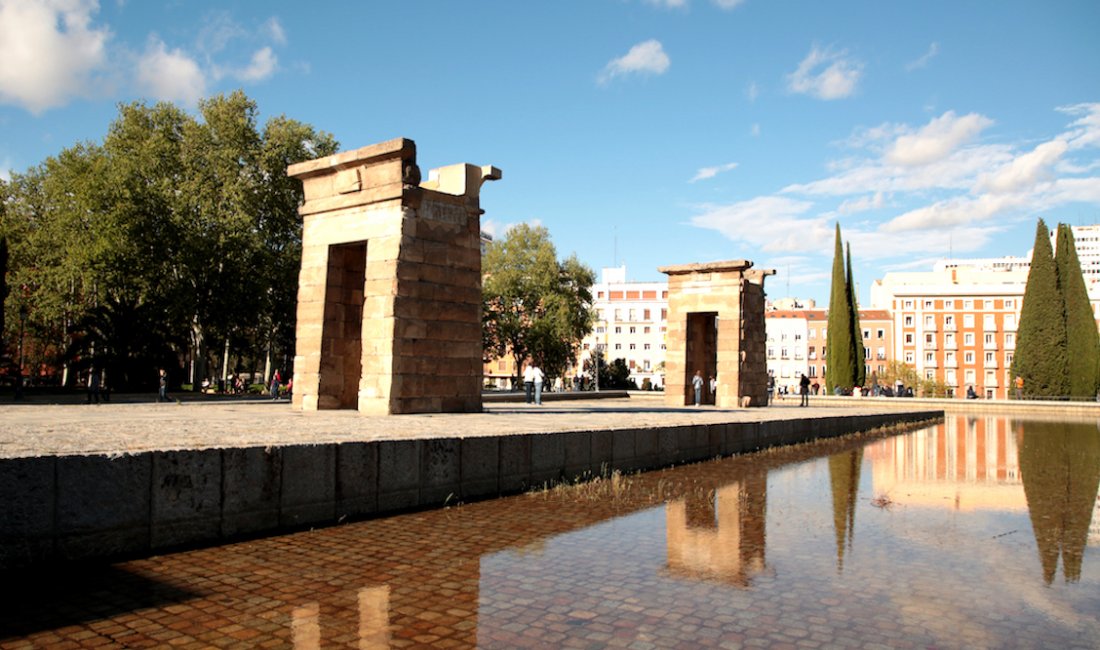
716 327
389 293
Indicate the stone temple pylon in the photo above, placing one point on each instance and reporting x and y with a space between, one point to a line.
389 294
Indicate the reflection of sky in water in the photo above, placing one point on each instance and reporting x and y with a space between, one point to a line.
952 561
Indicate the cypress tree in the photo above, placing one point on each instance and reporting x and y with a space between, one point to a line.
1041 338
840 369
857 329
1082 340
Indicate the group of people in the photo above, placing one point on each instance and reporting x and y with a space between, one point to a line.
533 379
697 384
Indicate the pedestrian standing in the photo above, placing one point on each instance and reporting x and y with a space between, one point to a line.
697 384
538 379
276 380
529 382
804 389
93 386
162 392
1019 383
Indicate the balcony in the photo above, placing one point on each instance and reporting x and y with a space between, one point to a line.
950 345
989 327
930 326
931 345
931 363
990 345
991 364
949 327
951 363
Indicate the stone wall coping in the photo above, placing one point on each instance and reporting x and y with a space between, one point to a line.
706 267
396 148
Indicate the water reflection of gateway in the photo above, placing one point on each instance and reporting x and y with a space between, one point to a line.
720 536
966 463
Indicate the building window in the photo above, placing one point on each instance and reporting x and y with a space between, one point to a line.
813 371
968 357
968 338
1010 304
909 356
949 320
949 304
600 329
631 346
881 353
813 334
908 321
927 304
1009 356
866 334
645 330
929 374
968 320
1010 321
908 304
645 346
782 353
929 357
989 358
798 337
968 304
988 304
929 321
633 330
949 358
618 346
969 376
880 334
645 365
664 314
989 339
645 314
951 377
633 313
989 322
909 338
662 346
949 339
618 330
1010 340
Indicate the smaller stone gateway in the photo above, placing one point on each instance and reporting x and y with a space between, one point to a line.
716 327
389 295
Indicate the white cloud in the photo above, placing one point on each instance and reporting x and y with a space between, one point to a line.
1084 131
753 91
773 223
862 204
274 30
1025 170
727 4
169 75
933 50
825 74
937 139
671 4
263 65
710 172
49 50
647 57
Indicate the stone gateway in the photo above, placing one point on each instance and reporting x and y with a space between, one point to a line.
389 294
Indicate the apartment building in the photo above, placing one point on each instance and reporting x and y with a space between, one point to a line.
796 341
631 322
957 323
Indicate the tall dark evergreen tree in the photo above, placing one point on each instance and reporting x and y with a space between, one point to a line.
1041 338
840 368
857 329
1082 341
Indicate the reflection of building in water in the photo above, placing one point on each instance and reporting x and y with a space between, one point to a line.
966 463
719 537
1094 526
374 621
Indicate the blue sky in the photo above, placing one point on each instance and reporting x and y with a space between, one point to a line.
640 132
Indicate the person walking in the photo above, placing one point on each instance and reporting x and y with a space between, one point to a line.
162 392
1019 384
697 384
93 386
537 379
804 389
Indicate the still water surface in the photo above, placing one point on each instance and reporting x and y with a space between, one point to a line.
975 533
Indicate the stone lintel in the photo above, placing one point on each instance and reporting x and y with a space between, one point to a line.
396 148
707 267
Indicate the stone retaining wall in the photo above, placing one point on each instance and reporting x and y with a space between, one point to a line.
62 508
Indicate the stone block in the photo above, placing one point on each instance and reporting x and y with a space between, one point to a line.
440 472
623 457
103 505
515 464
356 479
187 500
647 449
251 487
26 511
602 457
398 474
578 455
308 493
480 467
547 458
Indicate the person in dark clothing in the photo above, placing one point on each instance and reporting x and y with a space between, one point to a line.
804 389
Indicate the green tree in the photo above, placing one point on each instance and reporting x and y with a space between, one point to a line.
1082 341
3 285
533 305
840 353
857 329
1041 337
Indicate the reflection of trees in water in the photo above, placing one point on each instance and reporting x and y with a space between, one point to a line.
844 479
1060 468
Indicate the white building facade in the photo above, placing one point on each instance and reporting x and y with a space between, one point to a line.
631 322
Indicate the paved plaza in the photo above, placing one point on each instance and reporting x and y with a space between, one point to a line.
126 426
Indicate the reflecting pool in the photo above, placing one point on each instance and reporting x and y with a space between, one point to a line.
975 533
